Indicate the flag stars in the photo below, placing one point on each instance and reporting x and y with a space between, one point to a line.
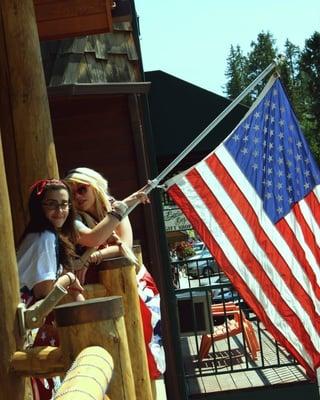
289 188
307 173
256 127
280 210
244 151
273 106
267 103
280 173
255 166
270 146
281 135
279 197
299 144
268 196
270 158
245 138
280 161
281 122
298 157
236 137
306 185
282 109
279 185
269 171
257 115
255 153
246 126
256 140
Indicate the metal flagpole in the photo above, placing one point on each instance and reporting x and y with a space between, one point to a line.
154 183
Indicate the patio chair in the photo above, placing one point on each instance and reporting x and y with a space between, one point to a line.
231 327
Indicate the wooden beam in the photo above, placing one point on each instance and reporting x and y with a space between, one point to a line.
86 89
29 149
58 19
11 385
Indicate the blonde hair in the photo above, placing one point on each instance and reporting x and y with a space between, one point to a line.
102 205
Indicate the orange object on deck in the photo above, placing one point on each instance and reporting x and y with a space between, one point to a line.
231 327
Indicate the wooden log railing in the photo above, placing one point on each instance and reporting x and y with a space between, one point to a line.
98 322
88 377
114 323
118 276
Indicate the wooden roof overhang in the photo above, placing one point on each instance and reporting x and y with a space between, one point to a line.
58 19
83 89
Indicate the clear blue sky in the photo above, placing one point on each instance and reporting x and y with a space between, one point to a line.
191 39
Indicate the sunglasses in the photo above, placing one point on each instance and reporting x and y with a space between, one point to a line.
81 189
54 205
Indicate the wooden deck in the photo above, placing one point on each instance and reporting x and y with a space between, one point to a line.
230 368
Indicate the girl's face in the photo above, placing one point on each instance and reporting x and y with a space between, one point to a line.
84 197
56 205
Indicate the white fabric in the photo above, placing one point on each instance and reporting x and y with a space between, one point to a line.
37 260
79 224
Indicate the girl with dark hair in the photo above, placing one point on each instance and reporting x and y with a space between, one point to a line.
47 245
45 258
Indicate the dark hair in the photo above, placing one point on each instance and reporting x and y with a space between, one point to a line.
39 223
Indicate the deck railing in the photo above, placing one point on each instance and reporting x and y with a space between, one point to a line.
212 314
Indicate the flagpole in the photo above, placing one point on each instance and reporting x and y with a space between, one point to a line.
154 183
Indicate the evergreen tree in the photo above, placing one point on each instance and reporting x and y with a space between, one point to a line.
262 54
310 83
235 72
289 70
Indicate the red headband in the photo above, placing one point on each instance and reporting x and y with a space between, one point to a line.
42 183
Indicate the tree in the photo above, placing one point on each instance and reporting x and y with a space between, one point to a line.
262 54
235 73
310 81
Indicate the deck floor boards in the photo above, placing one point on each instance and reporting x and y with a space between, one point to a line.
229 367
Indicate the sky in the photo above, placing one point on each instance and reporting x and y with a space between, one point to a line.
191 39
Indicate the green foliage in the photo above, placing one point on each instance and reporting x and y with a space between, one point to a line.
300 74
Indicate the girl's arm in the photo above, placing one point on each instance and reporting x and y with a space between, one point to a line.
124 231
96 236
68 280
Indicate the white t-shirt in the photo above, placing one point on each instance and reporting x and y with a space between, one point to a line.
37 260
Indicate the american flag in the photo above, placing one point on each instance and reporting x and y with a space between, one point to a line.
255 203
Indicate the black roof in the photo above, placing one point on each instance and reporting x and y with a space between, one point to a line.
180 111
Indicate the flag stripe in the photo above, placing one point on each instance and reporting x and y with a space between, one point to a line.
306 231
208 228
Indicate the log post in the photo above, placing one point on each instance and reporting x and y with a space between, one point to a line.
118 275
25 121
11 386
89 375
98 322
